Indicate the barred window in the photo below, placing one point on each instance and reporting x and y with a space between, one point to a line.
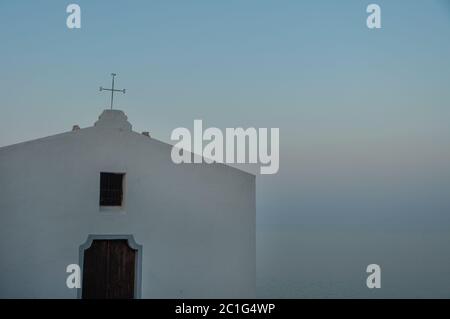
111 189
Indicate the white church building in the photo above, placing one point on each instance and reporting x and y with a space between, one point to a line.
139 226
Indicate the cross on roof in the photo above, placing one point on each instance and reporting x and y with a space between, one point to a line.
112 90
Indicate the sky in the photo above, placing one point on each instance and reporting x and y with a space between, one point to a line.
363 116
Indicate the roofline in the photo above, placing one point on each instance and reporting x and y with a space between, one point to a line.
17 145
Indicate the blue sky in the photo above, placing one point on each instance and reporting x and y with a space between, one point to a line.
363 114
311 63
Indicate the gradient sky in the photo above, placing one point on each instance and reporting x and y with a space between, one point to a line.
363 115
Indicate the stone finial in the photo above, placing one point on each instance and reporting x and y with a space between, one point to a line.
113 119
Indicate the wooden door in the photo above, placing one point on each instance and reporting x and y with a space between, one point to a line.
109 270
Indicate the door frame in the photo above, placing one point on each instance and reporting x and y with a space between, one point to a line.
131 243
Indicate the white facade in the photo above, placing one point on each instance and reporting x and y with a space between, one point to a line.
195 222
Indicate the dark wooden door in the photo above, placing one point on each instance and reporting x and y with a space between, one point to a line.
109 270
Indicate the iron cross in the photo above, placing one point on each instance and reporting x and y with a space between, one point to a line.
112 90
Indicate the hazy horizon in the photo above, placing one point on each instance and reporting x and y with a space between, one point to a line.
363 115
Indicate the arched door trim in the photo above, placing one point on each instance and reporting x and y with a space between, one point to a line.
131 242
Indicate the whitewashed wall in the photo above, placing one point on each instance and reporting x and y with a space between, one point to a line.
196 222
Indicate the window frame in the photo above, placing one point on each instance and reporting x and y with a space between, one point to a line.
112 207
